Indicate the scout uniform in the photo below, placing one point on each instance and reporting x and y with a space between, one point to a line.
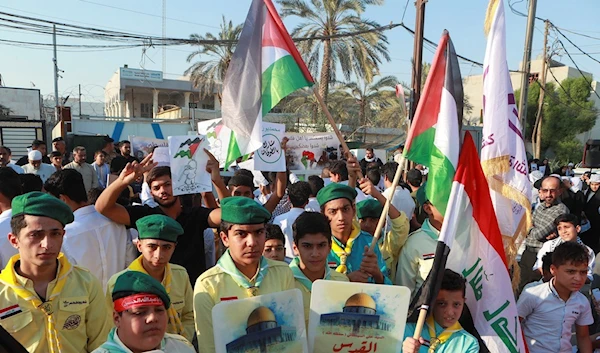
153 294
416 257
346 258
305 284
226 282
176 280
440 340
74 317
394 240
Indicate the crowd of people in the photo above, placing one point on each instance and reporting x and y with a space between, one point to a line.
102 257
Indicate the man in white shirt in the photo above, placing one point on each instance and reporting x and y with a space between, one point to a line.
402 199
298 194
90 178
92 240
36 167
316 183
5 154
10 187
339 174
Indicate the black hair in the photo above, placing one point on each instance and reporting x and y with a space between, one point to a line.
274 232
31 182
311 223
7 149
68 182
547 261
225 226
241 180
158 172
340 168
452 281
567 218
244 172
100 152
316 183
93 194
124 142
55 154
570 252
369 149
389 170
10 184
299 193
374 176
37 143
414 177
17 223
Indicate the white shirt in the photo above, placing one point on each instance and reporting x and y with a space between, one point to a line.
96 243
402 201
312 205
43 172
548 320
550 245
16 168
285 222
6 250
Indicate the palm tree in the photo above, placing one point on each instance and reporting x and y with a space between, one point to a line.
358 54
208 75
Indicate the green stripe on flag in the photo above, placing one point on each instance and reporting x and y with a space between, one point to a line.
441 171
233 151
280 79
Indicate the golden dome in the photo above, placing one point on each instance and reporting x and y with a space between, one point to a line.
260 314
361 299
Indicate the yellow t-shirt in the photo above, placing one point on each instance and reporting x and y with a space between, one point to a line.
81 316
393 242
215 285
181 296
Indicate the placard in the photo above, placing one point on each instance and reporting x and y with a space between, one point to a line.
218 136
271 323
311 151
351 317
188 164
161 156
142 146
270 157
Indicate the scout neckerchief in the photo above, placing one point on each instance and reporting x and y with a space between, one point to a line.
9 278
114 344
174 321
344 253
226 264
299 275
430 230
436 341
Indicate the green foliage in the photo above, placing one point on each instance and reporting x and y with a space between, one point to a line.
568 151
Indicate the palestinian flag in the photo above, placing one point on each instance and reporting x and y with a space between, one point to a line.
188 148
434 136
265 68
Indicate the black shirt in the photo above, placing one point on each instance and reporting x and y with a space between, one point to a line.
119 162
189 251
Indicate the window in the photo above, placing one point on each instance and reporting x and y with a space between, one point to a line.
146 110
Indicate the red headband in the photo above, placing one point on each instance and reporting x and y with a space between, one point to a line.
136 300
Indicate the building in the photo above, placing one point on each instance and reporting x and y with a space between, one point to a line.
145 94
262 332
22 103
359 313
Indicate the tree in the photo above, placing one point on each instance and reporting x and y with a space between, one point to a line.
358 55
208 75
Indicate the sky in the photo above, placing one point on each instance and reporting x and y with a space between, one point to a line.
26 67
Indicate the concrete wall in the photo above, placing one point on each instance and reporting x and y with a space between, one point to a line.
23 102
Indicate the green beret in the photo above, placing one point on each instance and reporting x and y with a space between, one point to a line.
243 210
335 191
422 194
139 282
369 208
158 226
41 204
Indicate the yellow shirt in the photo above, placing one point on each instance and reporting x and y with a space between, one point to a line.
214 286
181 297
80 313
393 242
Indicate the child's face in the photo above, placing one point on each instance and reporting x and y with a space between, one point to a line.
99 159
313 250
368 224
274 250
570 276
448 307
567 231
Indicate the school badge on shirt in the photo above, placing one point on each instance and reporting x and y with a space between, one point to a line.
10 311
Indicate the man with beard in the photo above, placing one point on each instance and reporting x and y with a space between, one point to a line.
189 252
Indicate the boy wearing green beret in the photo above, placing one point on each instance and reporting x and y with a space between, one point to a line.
47 304
141 314
157 241
350 253
312 244
241 272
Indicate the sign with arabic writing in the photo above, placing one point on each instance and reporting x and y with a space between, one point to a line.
311 151
142 146
267 323
348 317
270 157
188 164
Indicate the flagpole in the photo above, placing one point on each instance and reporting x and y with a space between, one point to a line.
421 321
386 208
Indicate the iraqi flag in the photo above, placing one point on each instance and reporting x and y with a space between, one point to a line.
434 136
471 232
265 68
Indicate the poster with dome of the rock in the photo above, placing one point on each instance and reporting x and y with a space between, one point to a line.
350 317
272 323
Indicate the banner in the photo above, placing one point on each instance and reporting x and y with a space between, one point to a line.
218 136
350 317
270 157
188 164
311 151
267 323
142 146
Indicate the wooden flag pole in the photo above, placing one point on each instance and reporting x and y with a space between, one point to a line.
421 321
386 207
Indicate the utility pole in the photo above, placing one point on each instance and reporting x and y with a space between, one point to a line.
526 63
417 57
164 35
56 105
537 128
80 114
